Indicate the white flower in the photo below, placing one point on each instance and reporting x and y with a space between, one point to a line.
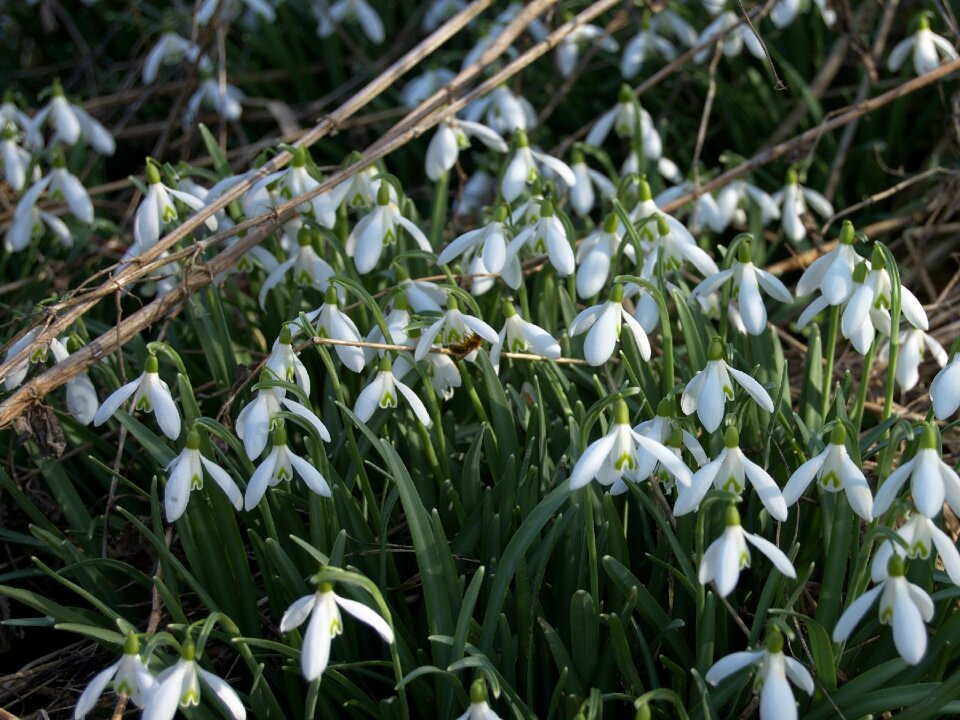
903 605
170 49
604 322
14 160
501 109
478 187
519 335
284 363
931 480
256 420
735 34
582 194
330 322
914 344
622 119
158 210
547 236
224 101
729 554
438 12
82 402
646 208
423 296
279 465
727 472
185 474
524 168
383 392
731 197
378 228
323 608
920 535
443 372
12 115
423 86
775 669
672 249
228 10
454 327
834 471
945 389
150 394
492 238
479 709
793 200
568 51
881 288
929 50
710 389
664 425
359 10
645 43
179 686
397 321
69 123
308 268
785 12
595 255
130 679
832 274
451 137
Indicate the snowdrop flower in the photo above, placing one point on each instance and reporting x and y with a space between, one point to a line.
645 43
931 480
397 321
775 669
622 119
709 390
292 182
230 9
10 114
329 321
881 290
280 465
479 709
179 687
727 472
14 160
729 554
731 197
832 274
929 50
323 608
603 324
69 123
383 392
442 370
185 474
423 86
256 420
793 200
672 250
786 11
857 319
150 394
451 137
439 11
945 389
595 256
363 188
733 33
130 679
547 236
664 425
454 327
308 268
582 194
502 110
519 335
82 402
378 228
623 453
568 51
171 49
158 210
903 605
480 186
19 372
834 471
491 239
226 103
524 168
920 535
359 10
914 344
748 280
646 208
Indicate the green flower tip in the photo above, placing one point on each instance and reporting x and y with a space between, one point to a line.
576 156
452 302
662 227
299 156
9 132
193 440
400 302
838 436
923 23
646 194
895 566
152 365
792 178
304 236
73 344
59 159
675 438
928 437
131 646
643 712
385 364
508 309
153 172
383 193
732 516
616 293
626 94
57 88
478 692
745 253
847 233
731 438
775 641
665 408
325 587
279 436
189 651
716 351
286 336
860 273
877 259
621 413
501 213
520 138
610 223
546 208
330 296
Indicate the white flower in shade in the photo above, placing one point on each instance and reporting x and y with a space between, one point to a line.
595 256
729 554
170 49
729 471
280 465
623 455
569 48
857 320
945 389
664 426
14 160
914 344
502 110
710 389
476 191
672 250
834 471
603 324
644 44
158 210
524 168
378 228
731 198
832 274
397 321
439 11
256 420
323 608
185 474
69 123
363 188
583 194
733 33
547 236
920 537
129 676
150 394
519 335
82 402
622 119
443 372
12 115
423 296
451 137
343 10
775 673
931 480
179 687
423 86
306 266
793 200
228 10
479 709
330 322
903 605
786 11
647 208
491 239
453 327
929 50
225 101
384 391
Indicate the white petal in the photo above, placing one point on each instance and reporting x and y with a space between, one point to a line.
799 675
727 666
225 694
260 480
780 561
591 461
316 642
163 702
308 415
176 494
297 613
224 481
310 475
753 388
767 490
909 633
853 614
776 699
416 404
900 53
602 337
165 409
712 400
364 614
94 690
802 477
890 488
116 399
949 555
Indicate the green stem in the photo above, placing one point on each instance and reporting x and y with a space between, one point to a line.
856 417
831 353
438 218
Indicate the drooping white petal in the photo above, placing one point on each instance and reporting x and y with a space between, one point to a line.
416 404
115 400
727 666
223 480
164 408
94 690
297 613
780 561
753 388
802 477
591 461
364 614
853 614
310 475
909 633
224 693
260 480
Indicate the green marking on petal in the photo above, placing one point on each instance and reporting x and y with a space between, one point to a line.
196 482
886 615
731 485
532 176
143 404
169 214
518 345
283 474
744 559
190 697
389 237
831 479
728 391
122 687
626 461
335 627
387 400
